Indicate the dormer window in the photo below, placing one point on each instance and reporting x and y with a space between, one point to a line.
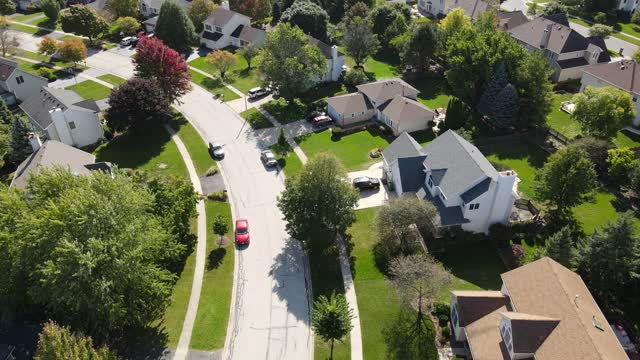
218 29
207 26
474 206
430 182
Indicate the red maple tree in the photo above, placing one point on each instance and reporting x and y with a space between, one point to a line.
155 60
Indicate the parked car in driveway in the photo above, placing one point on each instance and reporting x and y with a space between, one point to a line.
242 232
216 150
257 92
366 182
314 114
321 120
268 159
129 41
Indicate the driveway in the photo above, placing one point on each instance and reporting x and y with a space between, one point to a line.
371 198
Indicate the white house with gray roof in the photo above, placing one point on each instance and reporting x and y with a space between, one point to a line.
17 84
224 28
64 116
391 102
440 8
453 174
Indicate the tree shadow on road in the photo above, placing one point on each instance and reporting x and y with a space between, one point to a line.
287 272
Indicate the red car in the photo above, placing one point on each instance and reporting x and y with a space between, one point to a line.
242 232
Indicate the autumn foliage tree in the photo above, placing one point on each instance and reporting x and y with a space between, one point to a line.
48 46
72 50
154 60
136 104
221 60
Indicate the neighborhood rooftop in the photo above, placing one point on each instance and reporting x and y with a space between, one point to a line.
384 90
472 8
6 68
39 106
624 74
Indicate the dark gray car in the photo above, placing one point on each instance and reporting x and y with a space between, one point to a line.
366 182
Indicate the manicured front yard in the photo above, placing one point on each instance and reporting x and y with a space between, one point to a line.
26 18
285 111
213 86
89 89
352 150
242 78
150 150
112 79
378 66
197 148
256 119
289 163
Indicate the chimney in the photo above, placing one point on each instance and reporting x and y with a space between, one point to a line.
35 142
545 37
225 5
334 52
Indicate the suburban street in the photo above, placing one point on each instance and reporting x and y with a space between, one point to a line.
613 43
270 302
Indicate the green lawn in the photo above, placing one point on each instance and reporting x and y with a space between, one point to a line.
625 139
290 164
151 150
46 59
68 36
89 89
524 158
256 119
210 328
605 208
27 17
285 111
26 29
112 79
214 86
624 28
352 150
197 148
434 93
243 79
378 66
561 121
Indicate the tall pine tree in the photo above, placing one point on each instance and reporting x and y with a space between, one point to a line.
175 28
505 108
490 95
456 114
19 146
560 247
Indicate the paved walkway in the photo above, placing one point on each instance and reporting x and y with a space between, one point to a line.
201 253
294 145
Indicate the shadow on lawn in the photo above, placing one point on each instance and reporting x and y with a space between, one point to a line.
533 154
477 263
133 150
215 258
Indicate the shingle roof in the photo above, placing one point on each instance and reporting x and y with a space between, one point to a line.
52 153
221 16
6 68
562 38
571 63
325 49
511 19
484 339
151 21
447 216
353 103
529 331
411 173
546 288
252 34
623 74
237 31
460 161
382 91
214 36
38 105
473 305
472 8
403 146
604 57
477 190
402 109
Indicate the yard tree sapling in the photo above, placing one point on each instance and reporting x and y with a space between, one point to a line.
72 50
359 41
84 21
331 318
154 60
220 226
221 60
248 53
602 112
48 46
8 39
318 202
567 179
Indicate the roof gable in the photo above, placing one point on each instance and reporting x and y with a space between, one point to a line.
403 146
529 331
402 109
623 74
221 17
7 67
39 105
382 91
562 38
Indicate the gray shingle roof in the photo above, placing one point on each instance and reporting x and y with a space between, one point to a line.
511 19
403 146
562 38
221 16
38 105
382 91
402 109
353 103
7 67
151 21
447 216
623 74
462 162
411 173
472 8
53 153
325 49
477 190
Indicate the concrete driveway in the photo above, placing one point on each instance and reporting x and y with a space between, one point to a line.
371 198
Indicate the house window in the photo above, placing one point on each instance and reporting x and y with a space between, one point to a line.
218 29
72 125
430 183
208 27
474 206
154 10
20 79
144 7
506 336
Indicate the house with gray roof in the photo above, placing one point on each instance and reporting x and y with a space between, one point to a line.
17 84
440 8
64 116
224 28
455 177
391 102
55 154
568 52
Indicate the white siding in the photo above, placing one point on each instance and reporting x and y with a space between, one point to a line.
31 84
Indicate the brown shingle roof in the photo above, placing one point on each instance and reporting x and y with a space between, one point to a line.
474 305
472 8
483 336
350 104
529 331
623 74
401 109
382 91
6 68
509 20
546 288
562 38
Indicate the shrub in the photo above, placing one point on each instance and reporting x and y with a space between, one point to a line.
600 17
620 165
517 252
211 171
443 319
441 309
375 153
218 196
597 151
635 18
446 332
47 73
355 77
634 178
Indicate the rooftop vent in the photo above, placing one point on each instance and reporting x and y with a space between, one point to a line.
596 324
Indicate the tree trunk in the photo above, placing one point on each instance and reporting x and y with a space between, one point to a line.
331 354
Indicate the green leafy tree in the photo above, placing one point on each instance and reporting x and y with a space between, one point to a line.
456 21
597 151
331 318
113 251
600 17
553 8
137 104
535 91
560 246
220 226
319 201
8 39
355 77
635 18
249 52
620 163
609 262
287 48
636 55
51 9
221 60
359 41
388 22
634 178
58 343
349 4
6 118
84 21
123 8
566 180
261 10
19 146
359 9
601 30
457 114
602 112
533 8
421 47
174 27
408 338
7 7
395 220
282 140
309 17
72 50
126 26
199 11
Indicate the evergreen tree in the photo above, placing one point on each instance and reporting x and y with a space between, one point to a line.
174 27
58 343
276 13
561 248
456 114
495 85
6 116
19 146
504 110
